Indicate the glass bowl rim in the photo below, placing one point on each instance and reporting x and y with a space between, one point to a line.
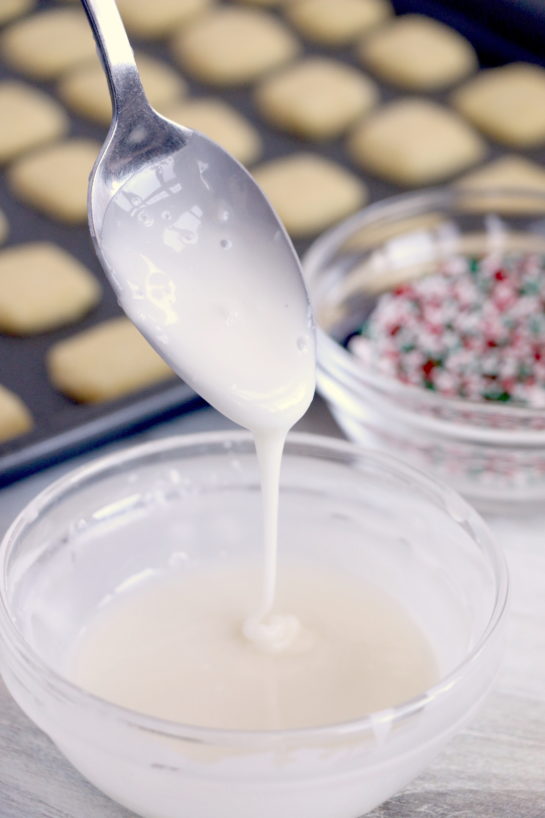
402 206
50 679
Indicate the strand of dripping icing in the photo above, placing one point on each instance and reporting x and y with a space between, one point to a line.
270 632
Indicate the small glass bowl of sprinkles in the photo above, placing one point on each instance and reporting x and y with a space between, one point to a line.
430 312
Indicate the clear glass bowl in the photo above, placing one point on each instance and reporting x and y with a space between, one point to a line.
185 501
493 453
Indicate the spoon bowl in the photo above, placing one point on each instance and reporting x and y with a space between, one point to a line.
197 256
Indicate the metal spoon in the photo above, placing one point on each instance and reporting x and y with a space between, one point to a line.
166 204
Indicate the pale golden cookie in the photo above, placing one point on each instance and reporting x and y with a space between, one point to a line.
104 362
507 173
316 99
230 46
48 43
415 142
43 287
10 9
15 419
29 118
308 192
4 227
85 89
506 103
264 2
336 22
55 179
153 19
220 122
418 53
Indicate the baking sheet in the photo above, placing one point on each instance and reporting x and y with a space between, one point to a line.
62 427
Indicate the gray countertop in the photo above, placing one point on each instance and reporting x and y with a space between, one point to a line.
494 769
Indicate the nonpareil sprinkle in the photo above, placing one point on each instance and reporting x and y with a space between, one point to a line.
474 329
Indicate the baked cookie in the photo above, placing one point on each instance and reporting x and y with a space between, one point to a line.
309 192
316 99
232 46
15 419
54 179
508 173
414 142
507 104
105 362
264 2
336 23
43 287
85 91
10 9
220 122
50 42
157 19
418 53
29 118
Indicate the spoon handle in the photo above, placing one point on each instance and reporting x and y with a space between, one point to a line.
117 56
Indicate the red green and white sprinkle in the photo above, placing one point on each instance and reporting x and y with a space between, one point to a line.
475 329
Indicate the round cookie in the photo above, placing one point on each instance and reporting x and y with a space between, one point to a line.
264 2
29 118
507 104
54 179
336 22
509 172
10 9
45 44
42 287
85 90
233 46
414 142
107 361
418 53
15 419
309 192
316 99
157 19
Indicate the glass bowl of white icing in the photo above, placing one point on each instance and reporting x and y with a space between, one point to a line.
431 336
124 584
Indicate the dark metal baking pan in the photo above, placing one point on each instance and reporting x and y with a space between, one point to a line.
63 428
